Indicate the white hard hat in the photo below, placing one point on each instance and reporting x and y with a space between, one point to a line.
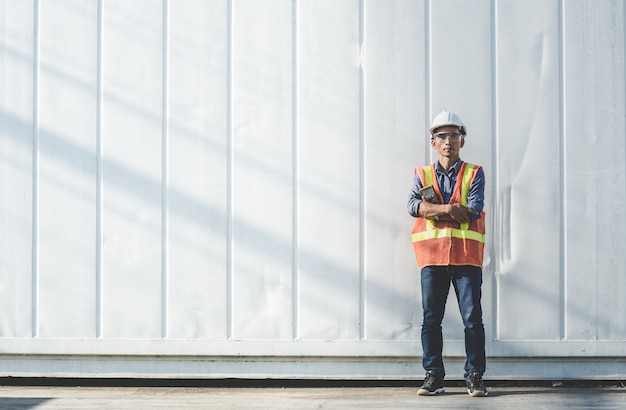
447 118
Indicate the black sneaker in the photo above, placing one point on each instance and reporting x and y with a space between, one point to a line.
433 384
475 385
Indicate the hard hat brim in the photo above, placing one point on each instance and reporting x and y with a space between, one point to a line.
461 128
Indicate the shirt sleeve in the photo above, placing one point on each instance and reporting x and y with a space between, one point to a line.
415 198
476 195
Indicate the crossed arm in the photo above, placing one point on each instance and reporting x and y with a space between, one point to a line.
445 212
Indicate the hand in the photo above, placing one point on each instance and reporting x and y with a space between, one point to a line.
460 213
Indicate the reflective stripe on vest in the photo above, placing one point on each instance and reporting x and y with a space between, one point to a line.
449 233
428 181
465 186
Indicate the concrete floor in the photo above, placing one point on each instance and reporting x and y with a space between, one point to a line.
500 397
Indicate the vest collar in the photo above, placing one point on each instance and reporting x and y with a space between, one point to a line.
453 171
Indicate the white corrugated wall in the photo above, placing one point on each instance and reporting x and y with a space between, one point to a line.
217 188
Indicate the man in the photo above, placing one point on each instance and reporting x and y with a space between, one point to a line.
449 236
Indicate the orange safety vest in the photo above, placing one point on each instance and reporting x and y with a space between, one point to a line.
449 243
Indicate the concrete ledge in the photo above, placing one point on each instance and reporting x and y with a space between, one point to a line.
302 348
327 368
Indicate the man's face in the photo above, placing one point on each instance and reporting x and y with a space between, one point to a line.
448 141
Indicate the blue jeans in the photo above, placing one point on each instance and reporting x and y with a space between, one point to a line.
467 281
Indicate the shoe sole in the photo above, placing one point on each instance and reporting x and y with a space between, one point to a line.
424 392
477 393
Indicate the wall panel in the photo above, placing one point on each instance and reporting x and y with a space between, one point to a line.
529 171
461 81
132 173
18 163
611 122
262 166
329 163
395 119
68 167
197 172
594 103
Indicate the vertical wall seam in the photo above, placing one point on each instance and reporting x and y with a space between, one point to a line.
229 172
597 181
624 170
624 84
165 174
295 175
362 178
428 79
99 170
563 174
496 168
35 176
